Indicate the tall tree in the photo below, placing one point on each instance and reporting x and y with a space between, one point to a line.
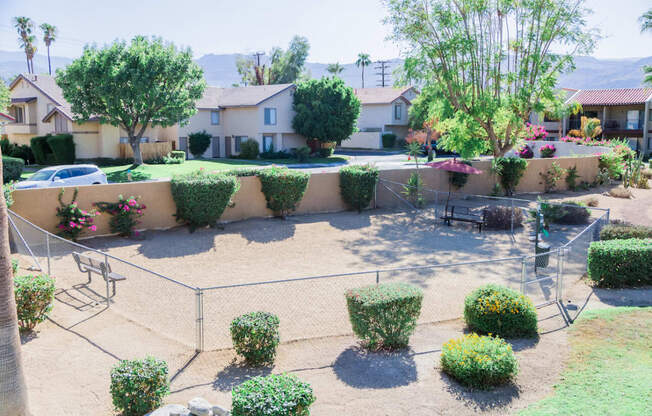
24 26
646 26
5 96
133 86
49 36
490 62
283 67
325 110
362 61
13 390
335 68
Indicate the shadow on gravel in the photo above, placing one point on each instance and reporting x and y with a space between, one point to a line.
481 400
237 373
375 370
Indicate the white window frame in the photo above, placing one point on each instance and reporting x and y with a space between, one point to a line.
272 121
398 111
217 114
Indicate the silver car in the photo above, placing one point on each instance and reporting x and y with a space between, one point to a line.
64 175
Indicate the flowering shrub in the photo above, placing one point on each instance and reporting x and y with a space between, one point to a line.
124 214
585 141
479 361
384 315
525 152
548 150
499 310
34 297
138 386
535 132
273 395
72 219
255 337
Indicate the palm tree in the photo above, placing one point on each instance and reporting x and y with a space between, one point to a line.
30 51
13 390
24 26
363 60
646 26
335 68
49 36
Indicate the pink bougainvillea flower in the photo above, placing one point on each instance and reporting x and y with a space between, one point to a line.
93 227
132 202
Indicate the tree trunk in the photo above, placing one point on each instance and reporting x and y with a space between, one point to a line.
135 146
49 65
13 390
29 71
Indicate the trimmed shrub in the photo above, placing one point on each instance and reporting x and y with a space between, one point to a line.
201 197
326 151
198 143
283 188
42 151
357 185
625 231
389 140
12 168
255 336
564 214
139 386
34 296
499 310
619 263
500 218
242 172
7 147
302 153
63 148
249 149
178 154
24 152
510 170
479 361
273 395
384 316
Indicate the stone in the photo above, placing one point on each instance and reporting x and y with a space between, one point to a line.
170 410
220 411
200 407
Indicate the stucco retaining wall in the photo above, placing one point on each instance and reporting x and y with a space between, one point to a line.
322 195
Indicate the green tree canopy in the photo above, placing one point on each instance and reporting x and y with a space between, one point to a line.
326 109
283 67
490 63
5 96
146 82
646 26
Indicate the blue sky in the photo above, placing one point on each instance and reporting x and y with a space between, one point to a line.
337 29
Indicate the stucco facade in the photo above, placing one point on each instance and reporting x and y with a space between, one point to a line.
385 110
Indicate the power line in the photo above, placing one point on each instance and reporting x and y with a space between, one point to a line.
383 67
258 55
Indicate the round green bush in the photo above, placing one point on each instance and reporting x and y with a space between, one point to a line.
198 143
384 316
249 149
479 361
138 386
510 170
357 185
255 336
499 310
273 395
34 296
283 188
202 197
12 168
389 140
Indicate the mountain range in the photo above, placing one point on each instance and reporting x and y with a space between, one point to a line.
220 70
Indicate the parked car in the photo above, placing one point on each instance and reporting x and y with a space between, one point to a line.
438 152
64 175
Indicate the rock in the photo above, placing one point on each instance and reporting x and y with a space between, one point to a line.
200 407
220 411
170 410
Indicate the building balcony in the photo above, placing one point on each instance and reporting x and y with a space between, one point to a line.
20 128
615 127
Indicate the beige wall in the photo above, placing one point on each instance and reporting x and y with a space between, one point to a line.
364 140
322 195
381 116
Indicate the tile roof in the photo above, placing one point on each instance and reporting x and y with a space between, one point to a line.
249 96
380 95
619 96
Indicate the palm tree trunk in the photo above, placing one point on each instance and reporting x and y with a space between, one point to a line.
29 71
49 65
362 76
13 390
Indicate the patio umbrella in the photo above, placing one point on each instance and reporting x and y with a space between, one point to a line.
452 165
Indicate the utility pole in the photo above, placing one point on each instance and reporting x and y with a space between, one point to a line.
383 67
257 55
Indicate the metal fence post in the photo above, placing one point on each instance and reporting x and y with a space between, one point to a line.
559 256
436 204
560 282
523 273
106 280
199 323
377 277
608 212
512 216
376 195
47 247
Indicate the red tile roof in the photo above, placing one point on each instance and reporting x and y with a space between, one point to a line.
620 96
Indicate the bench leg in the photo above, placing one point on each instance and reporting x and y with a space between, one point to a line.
113 282
108 297
89 278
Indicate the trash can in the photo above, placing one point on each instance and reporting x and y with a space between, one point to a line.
542 261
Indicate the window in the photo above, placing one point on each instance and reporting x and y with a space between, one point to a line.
268 143
62 174
215 118
74 172
20 118
397 111
238 141
270 116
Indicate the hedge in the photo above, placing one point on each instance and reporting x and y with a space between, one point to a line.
389 140
138 386
283 188
384 316
249 149
273 395
178 154
494 309
625 231
12 168
255 336
357 185
63 148
201 197
42 151
619 263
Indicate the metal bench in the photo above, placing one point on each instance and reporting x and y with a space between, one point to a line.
464 214
91 265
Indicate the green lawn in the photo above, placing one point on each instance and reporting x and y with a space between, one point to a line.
610 368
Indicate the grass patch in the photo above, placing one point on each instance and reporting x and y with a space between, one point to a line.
610 368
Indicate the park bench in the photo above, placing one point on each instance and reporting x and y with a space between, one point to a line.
464 214
91 265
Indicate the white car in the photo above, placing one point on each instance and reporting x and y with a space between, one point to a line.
64 175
